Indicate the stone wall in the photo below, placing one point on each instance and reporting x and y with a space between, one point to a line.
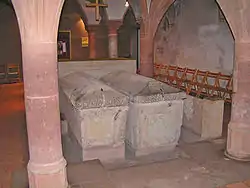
74 20
75 24
193 36
96 68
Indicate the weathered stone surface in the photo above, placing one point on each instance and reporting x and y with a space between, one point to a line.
155 112
203 117
96 115
141 89
153 127
96 68
85 92
46 166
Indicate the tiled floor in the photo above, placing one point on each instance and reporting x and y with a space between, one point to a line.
201 166
13 141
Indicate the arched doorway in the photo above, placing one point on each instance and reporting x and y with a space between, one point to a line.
128 36
197 39
73 43
195 36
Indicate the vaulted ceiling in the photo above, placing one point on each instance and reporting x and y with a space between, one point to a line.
116 9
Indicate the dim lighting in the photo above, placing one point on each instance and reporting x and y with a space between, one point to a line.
126 4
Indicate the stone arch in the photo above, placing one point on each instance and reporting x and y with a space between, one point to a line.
139 7
156 12
229 23
125 13
151 21
232 12
74 19
159 7
78 6
211 33
127 35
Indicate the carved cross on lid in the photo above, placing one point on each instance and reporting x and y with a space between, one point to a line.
97 6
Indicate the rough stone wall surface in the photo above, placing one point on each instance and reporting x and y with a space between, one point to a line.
196 39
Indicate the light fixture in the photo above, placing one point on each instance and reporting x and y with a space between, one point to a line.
126 4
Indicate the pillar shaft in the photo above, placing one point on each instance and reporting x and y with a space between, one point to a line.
113 38
46 167
92 31
146 57
239 127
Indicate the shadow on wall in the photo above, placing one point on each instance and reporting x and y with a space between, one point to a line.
194 34
10 45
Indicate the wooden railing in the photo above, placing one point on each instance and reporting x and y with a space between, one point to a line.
202 84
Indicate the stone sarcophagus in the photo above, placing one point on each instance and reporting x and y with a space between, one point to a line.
96 116
155 113
120 114
202 119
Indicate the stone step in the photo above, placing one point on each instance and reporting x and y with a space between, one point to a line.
89 174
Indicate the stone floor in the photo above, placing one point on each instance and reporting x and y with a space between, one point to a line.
200 165
13 139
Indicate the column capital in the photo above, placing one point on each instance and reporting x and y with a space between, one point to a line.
38 19
113 26
93 28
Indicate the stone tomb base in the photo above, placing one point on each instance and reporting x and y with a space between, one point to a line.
203 119
121 109
154 115
96 116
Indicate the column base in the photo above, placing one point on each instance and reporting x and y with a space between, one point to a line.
238 147
236 158
48 175
146 70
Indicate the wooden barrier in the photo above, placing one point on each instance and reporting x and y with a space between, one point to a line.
203 84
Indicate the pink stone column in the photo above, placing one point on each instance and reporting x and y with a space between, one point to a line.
146 56
38 22
238 143
113 38
92 31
